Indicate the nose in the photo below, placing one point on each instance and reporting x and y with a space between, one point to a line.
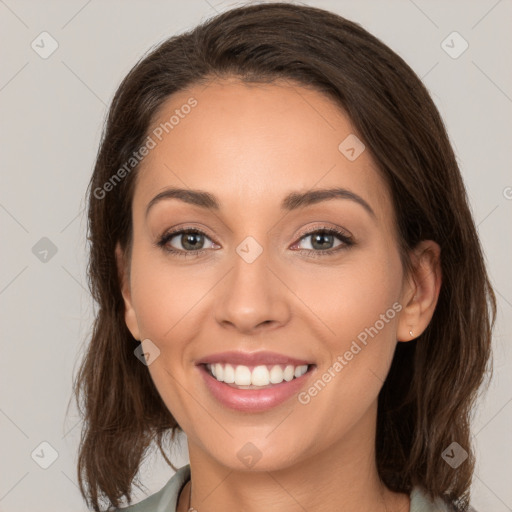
251 298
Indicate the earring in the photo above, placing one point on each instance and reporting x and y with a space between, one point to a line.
410 332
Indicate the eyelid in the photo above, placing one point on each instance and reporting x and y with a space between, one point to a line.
324 226
175 230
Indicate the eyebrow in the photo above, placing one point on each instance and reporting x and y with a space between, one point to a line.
292 201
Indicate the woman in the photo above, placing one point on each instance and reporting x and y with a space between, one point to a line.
287 270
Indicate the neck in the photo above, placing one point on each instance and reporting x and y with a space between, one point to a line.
342 477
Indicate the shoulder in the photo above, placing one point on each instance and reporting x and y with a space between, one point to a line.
421 502
165 500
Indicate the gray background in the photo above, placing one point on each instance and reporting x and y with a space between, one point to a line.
51 113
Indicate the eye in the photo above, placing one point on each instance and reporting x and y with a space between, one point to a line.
189 242
184 242
323 240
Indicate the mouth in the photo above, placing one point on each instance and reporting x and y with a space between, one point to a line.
254 388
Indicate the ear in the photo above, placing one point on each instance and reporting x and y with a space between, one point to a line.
124 280
421 291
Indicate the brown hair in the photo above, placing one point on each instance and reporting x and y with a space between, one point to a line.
426 401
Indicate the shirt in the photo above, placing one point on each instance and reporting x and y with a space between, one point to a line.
166 499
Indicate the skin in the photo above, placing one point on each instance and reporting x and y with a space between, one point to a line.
250 145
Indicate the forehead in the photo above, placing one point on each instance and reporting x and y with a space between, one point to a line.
253 144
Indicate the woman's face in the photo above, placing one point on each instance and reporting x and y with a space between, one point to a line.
260 281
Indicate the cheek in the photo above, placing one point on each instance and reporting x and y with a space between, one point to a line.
165 299
154 297
354 296
357 307
164 295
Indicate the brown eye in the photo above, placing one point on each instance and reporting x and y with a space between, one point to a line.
324 241
190 241
184 242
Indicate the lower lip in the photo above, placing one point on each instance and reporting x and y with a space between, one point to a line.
253 400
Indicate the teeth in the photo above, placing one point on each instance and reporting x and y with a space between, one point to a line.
229 374
259 376
288 373
219 372
299 371
242 376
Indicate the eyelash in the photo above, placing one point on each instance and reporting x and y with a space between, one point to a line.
346 239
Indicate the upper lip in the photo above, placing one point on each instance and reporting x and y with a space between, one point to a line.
251 358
